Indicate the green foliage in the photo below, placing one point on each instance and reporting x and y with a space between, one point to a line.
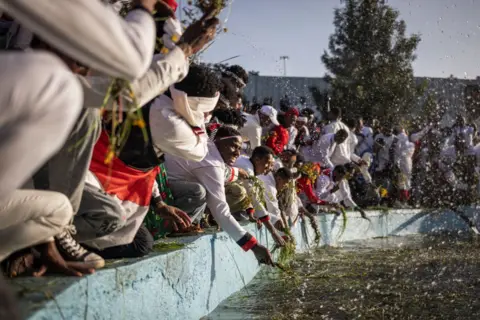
320 98
194 10
369 61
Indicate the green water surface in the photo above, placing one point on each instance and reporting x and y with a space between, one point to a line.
415 277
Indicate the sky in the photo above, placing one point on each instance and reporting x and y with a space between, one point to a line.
261 31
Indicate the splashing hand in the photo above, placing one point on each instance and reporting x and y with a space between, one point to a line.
263 255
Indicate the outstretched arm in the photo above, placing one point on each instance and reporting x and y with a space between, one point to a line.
91 32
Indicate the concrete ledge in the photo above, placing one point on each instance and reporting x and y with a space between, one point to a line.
189 283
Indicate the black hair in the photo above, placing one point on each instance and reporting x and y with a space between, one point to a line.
293 152
239 72
351 123
229 93
201 81
284 173
340 169
255 107
229 116
307 112
261 152
300 159
343 132
336 112
349 167
224 131
281 120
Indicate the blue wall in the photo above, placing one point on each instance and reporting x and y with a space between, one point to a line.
189 283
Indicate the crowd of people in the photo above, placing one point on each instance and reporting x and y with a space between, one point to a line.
196 158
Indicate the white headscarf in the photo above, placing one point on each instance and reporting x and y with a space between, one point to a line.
192 109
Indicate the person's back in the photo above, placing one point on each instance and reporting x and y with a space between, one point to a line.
252 130
343 153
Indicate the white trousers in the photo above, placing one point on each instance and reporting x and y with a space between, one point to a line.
31 217
40 100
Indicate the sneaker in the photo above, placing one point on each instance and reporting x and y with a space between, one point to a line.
74 254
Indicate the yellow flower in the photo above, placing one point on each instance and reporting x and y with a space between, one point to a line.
175 38
139 123
164 50
383 192
109 157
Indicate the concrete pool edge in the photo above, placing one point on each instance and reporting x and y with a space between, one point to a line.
191 282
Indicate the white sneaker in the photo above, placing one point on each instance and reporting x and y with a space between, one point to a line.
74 254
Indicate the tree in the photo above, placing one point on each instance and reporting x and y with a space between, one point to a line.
320 98
369 63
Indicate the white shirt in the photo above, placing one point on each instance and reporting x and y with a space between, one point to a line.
365 143
404 153
252 130
325 183
420 134
292 135
164 71
171 134
113 45
244 163
343 153
352 137
210 173
271 198
323 149
271 195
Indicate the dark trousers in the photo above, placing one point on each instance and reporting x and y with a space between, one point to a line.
141 245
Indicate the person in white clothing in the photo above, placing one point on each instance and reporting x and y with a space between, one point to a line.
266 116
35 124
332 187
260 163
210 172
343 152
31 218
291 117
175 125
324 148
271 202
109 69
108 43
303 135
288 202
365 138
403 160
462 131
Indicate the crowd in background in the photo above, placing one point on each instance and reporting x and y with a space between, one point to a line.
194 155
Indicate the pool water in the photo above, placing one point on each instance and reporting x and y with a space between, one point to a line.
413 277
